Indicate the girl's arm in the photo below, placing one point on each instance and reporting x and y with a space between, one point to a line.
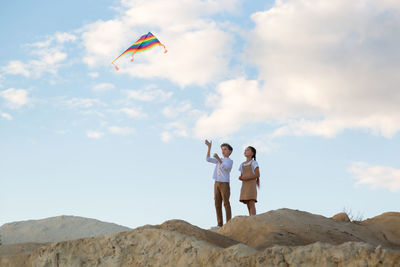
252 176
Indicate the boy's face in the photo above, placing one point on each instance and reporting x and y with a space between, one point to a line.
225 151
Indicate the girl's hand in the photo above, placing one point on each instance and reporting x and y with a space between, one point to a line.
240 178
216 155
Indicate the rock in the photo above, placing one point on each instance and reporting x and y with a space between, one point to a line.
157 247
198 233
258 242
386 225
297 228
341 217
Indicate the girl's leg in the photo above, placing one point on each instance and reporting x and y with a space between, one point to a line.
248 207
252 207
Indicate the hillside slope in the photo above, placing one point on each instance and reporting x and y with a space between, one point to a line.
56 229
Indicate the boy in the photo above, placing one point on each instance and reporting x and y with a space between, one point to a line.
221 176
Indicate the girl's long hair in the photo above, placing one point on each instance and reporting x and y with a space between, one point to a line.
254 152
254 157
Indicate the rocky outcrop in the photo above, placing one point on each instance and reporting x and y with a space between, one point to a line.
386 225
341 217
298 228
194 231
245 241
157 247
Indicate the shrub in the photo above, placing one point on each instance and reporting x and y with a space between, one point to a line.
354 217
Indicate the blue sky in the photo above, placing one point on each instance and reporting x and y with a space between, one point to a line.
307 84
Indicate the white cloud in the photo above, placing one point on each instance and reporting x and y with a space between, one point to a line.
82 102
198 48
149 94
326 127
178 128
63 37
172 111
6 116
166 137
324 66
121 130
15 98
2 78
57 38
135 113
188 60
103 87
240 101
183 115
17 67
376 176
93 74
263 143
102 39
94 134
49 54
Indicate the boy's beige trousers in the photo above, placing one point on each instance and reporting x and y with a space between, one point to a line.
222 192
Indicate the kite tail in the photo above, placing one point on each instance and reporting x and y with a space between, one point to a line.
115 66
165 49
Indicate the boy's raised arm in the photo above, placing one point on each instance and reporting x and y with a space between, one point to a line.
208 158
208 144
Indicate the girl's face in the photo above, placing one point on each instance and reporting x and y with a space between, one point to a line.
248 153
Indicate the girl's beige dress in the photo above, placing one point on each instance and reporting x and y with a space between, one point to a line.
249 187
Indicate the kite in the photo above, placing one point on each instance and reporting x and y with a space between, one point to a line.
145 42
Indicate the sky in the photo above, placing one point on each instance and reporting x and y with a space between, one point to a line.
311 84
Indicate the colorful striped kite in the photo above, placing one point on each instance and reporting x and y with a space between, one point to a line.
145 42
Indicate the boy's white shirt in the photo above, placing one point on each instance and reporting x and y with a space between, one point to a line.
221 171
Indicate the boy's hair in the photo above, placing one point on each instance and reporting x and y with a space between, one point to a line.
227 146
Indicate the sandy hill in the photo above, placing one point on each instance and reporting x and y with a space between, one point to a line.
277 238
56 229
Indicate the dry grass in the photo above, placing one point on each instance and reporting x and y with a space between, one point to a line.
354 217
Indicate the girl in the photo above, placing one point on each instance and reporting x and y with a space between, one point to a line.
250 177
